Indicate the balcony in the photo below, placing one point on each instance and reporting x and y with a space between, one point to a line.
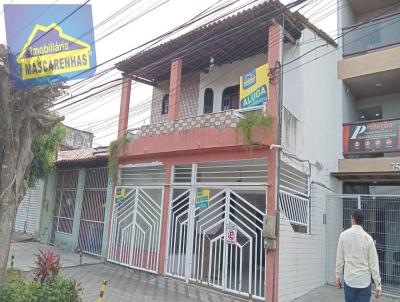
369 53
214 131
369 36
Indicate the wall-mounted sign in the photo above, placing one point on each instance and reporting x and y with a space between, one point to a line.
254 87
371 137
119 195
47 50
231 234
202 198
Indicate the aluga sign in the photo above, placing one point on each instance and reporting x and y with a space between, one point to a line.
48 49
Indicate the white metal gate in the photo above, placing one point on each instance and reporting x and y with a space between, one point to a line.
136 227
382 222
91 227
198 249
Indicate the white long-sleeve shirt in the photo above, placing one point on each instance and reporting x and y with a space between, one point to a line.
356 251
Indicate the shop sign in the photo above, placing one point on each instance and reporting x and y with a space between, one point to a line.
371 137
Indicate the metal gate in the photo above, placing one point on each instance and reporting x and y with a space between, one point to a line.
136 227
93 209
382 222
198 249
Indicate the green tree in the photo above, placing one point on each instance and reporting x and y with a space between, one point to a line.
25 151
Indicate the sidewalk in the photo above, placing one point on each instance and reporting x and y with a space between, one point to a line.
25 255
332 294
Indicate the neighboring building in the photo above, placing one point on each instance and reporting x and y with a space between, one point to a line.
78 195
76 139
369 98
28 214
190 201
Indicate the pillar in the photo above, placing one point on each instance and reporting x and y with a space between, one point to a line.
107 218
272 257
124 107
164 221
175 90
78 207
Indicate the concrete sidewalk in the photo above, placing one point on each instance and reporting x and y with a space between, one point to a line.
25 255
332 294
128 285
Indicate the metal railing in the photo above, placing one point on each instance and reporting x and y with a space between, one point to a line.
382 222
375 34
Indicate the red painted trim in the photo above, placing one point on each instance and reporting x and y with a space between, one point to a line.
346 134
164 222
175 90
272 257
198 140
124 107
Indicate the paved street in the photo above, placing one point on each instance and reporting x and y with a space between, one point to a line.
126 284
332 294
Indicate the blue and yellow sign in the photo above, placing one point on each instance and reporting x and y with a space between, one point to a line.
202 198
119 195
45 51
254 87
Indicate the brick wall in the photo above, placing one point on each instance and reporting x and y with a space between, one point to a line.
189 98
302 256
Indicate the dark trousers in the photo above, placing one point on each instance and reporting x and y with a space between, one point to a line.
352 294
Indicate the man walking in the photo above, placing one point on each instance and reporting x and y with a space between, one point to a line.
356 251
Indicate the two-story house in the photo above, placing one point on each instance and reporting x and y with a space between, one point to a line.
191 199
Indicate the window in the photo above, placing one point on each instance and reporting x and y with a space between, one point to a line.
208 100
370 113
230 98
164 104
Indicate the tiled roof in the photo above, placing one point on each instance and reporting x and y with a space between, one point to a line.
82 155
226 40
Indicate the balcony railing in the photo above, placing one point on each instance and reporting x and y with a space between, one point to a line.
223 119
371 137
371 35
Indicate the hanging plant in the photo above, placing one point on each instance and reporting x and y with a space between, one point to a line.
113 155
251 121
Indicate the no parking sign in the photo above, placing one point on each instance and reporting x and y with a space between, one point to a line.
231 234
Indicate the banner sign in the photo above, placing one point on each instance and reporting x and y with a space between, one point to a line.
371 137
254 87
202 198
231 234
44 50
119 195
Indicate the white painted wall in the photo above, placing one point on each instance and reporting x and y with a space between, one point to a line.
311 95
225 76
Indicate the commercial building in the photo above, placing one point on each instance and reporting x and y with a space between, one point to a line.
368 70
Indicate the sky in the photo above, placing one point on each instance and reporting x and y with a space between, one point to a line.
99 114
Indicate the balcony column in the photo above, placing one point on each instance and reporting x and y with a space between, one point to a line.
124 107
175 90
272 257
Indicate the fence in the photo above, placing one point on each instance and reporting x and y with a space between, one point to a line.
382 222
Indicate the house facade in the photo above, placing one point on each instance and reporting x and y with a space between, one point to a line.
192 201
368 70
76 202
28 217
